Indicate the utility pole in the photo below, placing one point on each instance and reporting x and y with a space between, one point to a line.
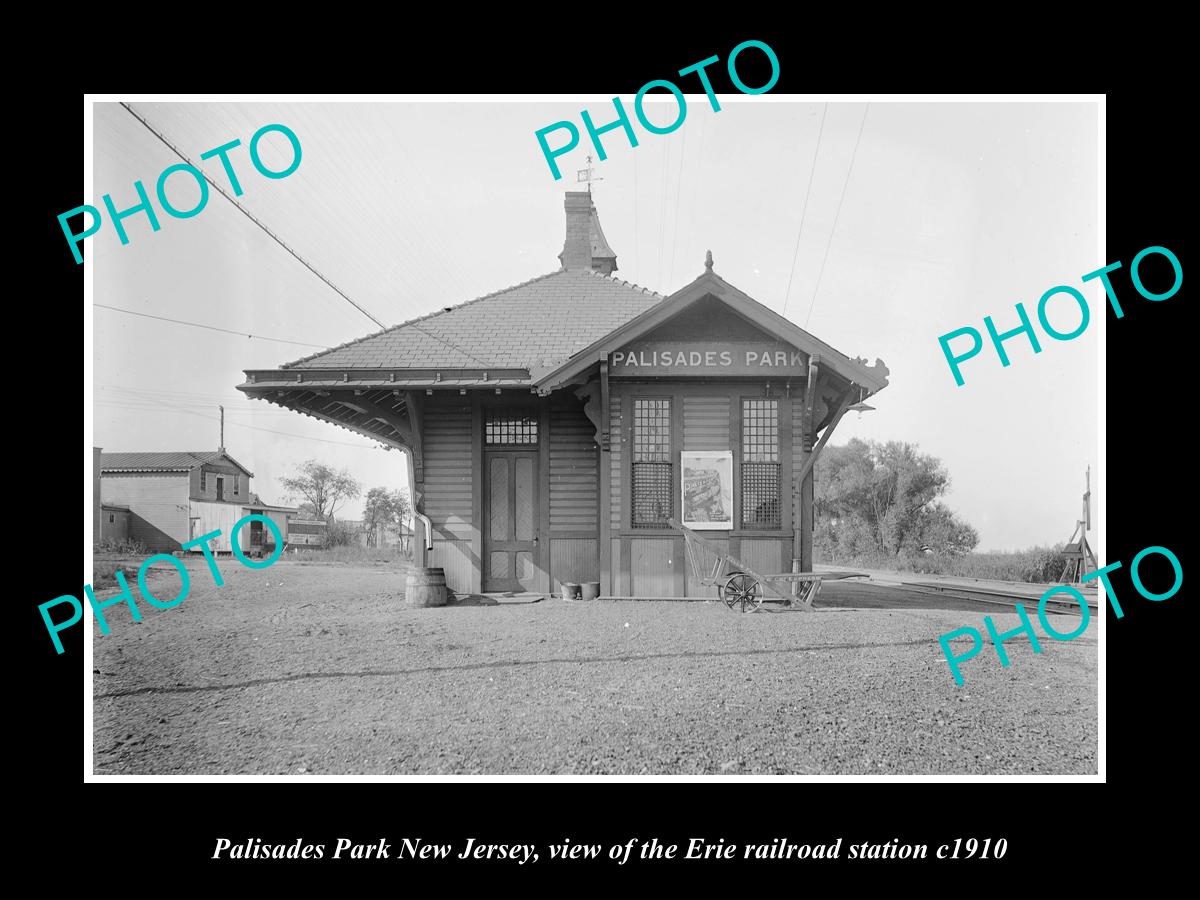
221 446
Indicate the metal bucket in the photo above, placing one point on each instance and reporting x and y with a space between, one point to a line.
571 590
591 590
426 587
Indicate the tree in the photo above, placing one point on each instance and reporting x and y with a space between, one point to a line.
944 532
340 534
321 487
882 498
386 509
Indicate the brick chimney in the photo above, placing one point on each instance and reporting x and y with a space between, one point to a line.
585 246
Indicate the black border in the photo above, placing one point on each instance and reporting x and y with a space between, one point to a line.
172 827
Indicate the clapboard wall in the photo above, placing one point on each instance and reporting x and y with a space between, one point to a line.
705 416
573 488
448 484
158 506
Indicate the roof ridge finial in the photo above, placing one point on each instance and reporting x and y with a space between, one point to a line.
708 262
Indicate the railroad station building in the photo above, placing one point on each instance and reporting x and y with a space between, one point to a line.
554 428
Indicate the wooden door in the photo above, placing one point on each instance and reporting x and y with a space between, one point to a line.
510 528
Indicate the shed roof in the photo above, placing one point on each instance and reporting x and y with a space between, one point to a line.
164 461
535 324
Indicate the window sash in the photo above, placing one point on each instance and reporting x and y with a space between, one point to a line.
652 486
760 430
761 474
653 493
651 429
510 427
762 506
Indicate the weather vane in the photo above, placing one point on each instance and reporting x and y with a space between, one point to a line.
586 175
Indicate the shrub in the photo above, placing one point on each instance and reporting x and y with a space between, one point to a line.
339 534
126 547
1041 565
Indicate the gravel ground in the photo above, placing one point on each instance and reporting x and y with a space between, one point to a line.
307 668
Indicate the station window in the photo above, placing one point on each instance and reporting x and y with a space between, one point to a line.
505 427
236 480
203 480
760 476
652 468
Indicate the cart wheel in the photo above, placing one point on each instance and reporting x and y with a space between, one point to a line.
721 587
742 591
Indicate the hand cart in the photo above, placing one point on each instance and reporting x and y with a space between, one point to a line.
737 584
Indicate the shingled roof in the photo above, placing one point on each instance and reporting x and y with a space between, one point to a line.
164 461
538 323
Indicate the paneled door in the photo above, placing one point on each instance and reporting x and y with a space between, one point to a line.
510 506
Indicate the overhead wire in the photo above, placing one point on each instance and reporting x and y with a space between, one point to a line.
697 181
636 254
787 294
290 434
833 230
210 327
248 214
678 195
662 216
281 243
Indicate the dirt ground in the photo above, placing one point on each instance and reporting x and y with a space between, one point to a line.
317 669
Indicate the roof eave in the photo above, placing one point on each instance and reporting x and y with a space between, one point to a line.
393 378
164 470
873 378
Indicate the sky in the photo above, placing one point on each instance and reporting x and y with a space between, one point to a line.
938 215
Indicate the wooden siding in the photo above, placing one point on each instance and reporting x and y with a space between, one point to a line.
706 423
797 435
227 471
281 520
574 559
457 558
616 453
158 505
97 520
574 489
694 587
448 451
765 555
213 516
800 496
619 584
117 529
652 567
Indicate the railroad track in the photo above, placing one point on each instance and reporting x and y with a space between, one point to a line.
996 598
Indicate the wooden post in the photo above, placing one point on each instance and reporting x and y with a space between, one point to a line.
806 519
811 458
807 426
804 481
605 429
604 484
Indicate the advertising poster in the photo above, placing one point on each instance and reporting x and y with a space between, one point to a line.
707 489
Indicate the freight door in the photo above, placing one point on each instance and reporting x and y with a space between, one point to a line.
510 529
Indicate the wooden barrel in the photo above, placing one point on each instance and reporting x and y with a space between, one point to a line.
426 587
